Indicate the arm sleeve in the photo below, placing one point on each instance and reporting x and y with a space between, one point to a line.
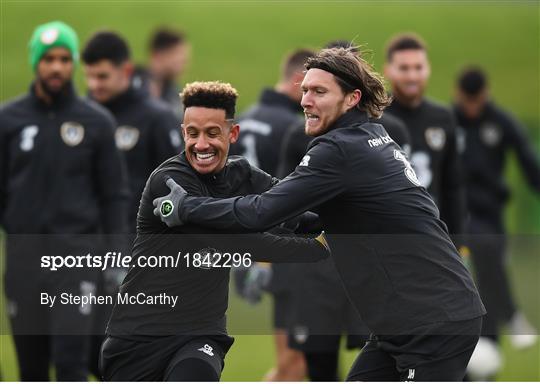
166 138
111 180
452 201
525 153
318 180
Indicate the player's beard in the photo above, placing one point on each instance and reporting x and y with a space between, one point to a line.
54 92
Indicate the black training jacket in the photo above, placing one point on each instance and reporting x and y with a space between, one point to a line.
484 144
263 128
60 171
202 292
435 158
148 133
394 255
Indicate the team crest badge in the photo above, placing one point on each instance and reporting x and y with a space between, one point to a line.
72 133
435 138
49 36
126 137
490 134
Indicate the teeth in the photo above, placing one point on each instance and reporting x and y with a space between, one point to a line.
204 156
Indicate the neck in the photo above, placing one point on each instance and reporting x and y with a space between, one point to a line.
285 89
42 94
407 101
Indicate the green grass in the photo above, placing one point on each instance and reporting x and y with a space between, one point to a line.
243 42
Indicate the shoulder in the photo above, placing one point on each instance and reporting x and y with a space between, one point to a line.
179 170
15 103
97 113
395 127
440 114
502 116
438 109
15 106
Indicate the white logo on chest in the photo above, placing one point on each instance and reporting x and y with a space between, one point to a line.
27 137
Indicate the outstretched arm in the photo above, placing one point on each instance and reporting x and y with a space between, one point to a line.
319 178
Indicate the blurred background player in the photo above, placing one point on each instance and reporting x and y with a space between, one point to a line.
58 158
263 128
169 55
487 134
431 127
147 133
322 311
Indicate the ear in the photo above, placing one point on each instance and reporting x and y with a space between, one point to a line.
354 98
128 68
233 133
183 133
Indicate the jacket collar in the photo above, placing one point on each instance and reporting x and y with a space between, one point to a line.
352 117
60 101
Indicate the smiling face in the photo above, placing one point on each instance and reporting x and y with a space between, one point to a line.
207 136
408 71
323 101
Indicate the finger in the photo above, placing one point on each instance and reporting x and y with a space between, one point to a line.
171 183
155 202
156 212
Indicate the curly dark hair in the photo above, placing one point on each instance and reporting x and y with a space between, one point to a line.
210 94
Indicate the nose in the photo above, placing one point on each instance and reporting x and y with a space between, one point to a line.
306 101
57 65
202 143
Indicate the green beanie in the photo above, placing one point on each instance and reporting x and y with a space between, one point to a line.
50 35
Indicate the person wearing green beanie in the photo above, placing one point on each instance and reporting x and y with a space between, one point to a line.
58 152
50 35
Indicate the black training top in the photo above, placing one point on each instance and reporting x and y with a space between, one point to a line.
148 133
296 142
483 144
435 158
263 128
396 260
60 160
202 291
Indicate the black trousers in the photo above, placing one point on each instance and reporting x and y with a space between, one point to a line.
437 352
488 253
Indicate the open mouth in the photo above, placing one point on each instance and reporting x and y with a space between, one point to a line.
204 157
312 118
